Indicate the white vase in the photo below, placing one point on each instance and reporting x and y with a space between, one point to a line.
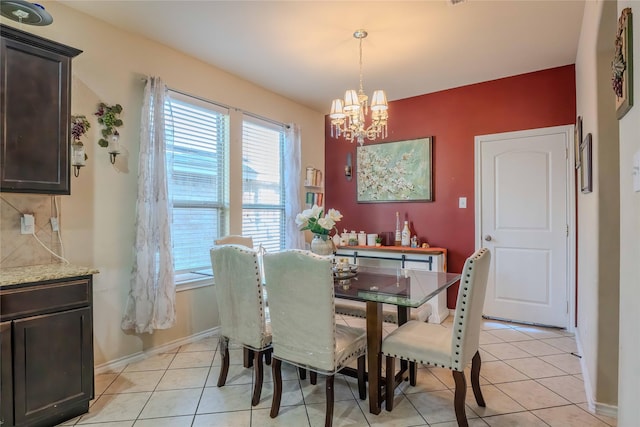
321 244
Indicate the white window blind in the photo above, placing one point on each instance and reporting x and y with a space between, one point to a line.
262 183
197 134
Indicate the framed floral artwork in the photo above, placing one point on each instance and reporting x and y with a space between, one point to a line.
398 171
586 178
577 138
622 64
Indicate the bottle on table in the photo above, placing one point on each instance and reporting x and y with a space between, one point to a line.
406 235
398 239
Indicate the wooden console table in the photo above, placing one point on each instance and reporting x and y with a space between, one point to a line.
429 259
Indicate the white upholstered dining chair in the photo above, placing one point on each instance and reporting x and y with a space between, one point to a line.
305 333
451 348
234 239
241 305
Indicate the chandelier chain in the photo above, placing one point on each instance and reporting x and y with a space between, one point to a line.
361 80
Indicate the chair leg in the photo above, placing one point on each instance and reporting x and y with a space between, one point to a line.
259 374
247 355
313 377
224 369
475 379
413 373
390 382
267 356
328 418
303 373
277 387
362 382
458 402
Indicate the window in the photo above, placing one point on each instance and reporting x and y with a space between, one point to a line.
197 135
263 201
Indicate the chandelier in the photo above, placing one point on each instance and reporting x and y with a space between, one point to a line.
348 115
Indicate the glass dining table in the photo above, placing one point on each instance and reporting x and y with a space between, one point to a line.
404 288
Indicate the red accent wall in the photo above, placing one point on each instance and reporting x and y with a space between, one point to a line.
453 118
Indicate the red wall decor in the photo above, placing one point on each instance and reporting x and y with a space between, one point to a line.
453 118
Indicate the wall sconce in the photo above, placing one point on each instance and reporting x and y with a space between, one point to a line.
78 157
114 146
348 168
108 117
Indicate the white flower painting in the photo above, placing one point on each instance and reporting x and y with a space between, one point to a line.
395 171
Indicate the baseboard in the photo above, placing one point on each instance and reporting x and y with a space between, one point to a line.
118 365
592 404
588 388
607 410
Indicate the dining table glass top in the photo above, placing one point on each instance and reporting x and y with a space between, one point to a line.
397 286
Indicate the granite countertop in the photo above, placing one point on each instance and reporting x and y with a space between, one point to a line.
37 273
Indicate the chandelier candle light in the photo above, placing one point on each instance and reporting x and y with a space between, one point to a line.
348 115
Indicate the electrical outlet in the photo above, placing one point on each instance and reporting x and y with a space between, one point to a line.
54 224
27 224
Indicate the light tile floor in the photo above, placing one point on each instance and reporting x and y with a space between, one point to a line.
529 378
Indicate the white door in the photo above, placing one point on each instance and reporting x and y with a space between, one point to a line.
522 206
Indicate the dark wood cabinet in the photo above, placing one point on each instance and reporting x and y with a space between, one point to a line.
6 377
47 351
35 103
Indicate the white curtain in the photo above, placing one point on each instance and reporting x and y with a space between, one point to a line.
151 302
294 237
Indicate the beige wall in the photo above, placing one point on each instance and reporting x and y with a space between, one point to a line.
628 408
599 212
98 218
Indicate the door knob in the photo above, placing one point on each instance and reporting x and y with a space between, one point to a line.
487 237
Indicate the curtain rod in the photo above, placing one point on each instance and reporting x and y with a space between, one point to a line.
256 116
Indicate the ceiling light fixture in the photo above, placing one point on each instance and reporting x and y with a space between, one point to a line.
348 115
25 13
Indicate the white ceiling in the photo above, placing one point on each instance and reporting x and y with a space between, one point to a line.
305 50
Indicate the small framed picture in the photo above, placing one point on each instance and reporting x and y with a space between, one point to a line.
577 139
586 183
622 65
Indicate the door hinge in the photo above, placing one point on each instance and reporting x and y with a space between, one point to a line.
567 306
567 229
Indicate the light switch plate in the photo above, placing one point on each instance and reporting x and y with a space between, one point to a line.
636 172
462 202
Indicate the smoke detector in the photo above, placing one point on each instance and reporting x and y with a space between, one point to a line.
25 13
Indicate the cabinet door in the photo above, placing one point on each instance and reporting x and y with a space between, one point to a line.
35 119
6 378
53 365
